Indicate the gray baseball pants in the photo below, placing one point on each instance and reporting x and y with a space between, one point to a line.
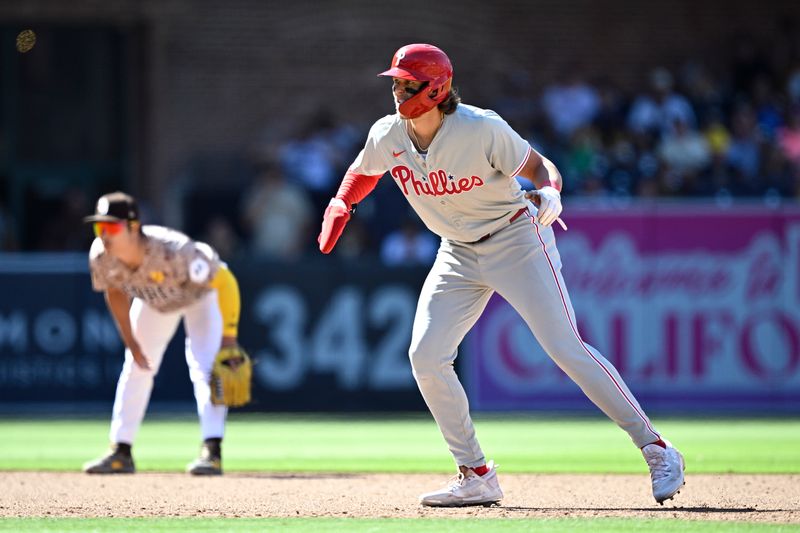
522 264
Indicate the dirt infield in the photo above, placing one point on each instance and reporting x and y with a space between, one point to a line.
751 498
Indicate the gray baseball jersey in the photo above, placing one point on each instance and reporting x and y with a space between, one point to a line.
174 274
464 188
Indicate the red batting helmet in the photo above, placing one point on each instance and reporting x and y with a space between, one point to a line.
425 63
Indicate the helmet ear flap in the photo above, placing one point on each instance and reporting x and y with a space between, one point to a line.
440 91
426 99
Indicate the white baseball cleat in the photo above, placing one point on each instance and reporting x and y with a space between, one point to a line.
666 470
467 489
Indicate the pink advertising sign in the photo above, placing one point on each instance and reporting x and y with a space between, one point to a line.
698 308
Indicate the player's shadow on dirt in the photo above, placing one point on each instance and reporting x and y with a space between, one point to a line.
720 510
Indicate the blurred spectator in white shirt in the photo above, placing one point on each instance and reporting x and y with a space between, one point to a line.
658 110
277 214
684 150
570 103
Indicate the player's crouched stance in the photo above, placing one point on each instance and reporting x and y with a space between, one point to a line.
153 277
456 166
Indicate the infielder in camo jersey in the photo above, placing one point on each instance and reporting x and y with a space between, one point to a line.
152 278
456 165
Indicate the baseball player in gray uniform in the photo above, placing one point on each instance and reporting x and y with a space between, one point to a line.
153 277
456 165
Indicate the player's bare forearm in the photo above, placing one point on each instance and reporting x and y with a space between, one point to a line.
548 174
547 196
119 305
541 171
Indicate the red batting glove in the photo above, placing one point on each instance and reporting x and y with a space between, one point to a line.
333 222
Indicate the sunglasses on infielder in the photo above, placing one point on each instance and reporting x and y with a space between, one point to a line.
108 228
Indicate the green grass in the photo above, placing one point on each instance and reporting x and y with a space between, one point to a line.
406 444
324 525
400 444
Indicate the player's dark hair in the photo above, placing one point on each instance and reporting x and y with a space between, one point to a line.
449 104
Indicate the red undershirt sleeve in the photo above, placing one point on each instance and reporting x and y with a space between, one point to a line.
356 187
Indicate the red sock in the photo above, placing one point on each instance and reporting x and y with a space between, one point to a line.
481 470
659 442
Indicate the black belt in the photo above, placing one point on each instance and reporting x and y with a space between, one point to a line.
518 214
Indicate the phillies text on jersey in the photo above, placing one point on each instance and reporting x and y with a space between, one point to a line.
464 186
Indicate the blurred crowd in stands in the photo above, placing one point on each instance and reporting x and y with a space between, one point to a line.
718 132
690 132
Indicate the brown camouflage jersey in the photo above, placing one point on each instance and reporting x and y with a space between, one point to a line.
174 274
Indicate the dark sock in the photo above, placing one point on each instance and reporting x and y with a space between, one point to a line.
659 442
214 447
122 448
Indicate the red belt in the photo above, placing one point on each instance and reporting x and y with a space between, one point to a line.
512 219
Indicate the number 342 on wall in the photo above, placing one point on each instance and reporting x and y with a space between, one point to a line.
338 341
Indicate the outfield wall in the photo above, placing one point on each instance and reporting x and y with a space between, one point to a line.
698 307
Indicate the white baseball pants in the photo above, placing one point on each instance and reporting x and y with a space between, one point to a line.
522 264
153 330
